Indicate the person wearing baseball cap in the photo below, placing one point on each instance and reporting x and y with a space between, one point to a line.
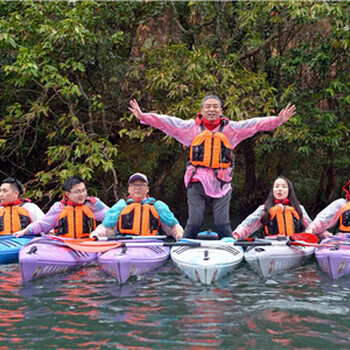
138 176
139 214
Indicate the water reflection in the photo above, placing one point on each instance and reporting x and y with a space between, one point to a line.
165 309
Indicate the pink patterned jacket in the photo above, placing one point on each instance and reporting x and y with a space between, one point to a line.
185 131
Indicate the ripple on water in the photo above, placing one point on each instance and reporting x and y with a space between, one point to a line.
87 309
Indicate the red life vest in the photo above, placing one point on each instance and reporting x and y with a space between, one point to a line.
75 221
14 217
140 219
284 220
345 218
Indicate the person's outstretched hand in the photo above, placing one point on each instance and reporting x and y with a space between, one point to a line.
135 108
286 113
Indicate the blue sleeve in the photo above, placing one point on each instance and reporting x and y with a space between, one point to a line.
165 214
112 215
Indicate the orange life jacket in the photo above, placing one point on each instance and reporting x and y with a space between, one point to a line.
76 221
345 219
13 218
211 150
284 220
139 219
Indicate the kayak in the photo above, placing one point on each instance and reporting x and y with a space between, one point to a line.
10 247
47 256
271 260
209 263
124 262
335 260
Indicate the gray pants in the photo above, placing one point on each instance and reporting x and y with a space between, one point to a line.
197 201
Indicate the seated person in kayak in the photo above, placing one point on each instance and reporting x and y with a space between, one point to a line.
15 213
280 215
74 216
139 214
329 216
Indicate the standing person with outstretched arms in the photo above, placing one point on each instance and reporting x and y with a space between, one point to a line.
211 138
336 212
74 216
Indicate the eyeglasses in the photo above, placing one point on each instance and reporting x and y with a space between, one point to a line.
138 185
79 191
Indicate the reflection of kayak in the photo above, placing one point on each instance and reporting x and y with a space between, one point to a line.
10 247
123 262
46 256
279 257
209 263
335 260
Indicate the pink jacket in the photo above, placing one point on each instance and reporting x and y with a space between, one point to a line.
185 131
252 223
328 217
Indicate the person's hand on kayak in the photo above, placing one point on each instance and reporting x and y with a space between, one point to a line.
20 233
326 234
102 231
179 232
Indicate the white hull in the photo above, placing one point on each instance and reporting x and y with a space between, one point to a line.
207 264
271 260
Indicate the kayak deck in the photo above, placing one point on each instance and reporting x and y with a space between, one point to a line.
207 264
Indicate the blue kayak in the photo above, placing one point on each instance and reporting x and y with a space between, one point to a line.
10 247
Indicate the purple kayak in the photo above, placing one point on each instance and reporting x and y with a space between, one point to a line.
335 260
121 263
47 256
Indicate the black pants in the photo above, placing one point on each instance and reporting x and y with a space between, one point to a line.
197 200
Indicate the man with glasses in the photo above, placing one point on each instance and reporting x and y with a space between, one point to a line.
15 213
74 216
139 214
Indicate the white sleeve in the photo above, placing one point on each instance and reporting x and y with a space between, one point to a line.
34 211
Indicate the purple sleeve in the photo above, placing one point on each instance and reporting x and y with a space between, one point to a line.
99 209
48 222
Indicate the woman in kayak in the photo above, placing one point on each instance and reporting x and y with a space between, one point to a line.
139 214
74 216
329 216
280 215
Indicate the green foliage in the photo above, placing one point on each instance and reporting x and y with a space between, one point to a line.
68 69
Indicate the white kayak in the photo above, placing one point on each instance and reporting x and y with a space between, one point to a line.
276 258
208 263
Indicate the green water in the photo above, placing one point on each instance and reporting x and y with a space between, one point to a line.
301 309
